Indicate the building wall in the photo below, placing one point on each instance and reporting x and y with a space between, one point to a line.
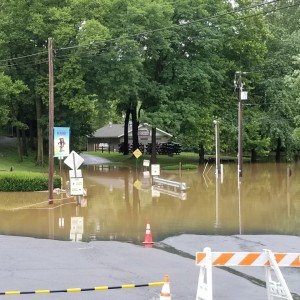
113 143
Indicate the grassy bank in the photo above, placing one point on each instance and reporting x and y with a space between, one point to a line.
186 159
9 159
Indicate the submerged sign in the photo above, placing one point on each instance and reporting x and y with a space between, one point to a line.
61 141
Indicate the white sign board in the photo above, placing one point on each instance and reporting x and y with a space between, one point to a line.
155 170
146 163
244 95
76 225
76 186
74 160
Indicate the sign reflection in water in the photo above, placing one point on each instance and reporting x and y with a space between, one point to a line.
120 202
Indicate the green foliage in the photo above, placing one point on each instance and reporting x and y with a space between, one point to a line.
176 59
26 182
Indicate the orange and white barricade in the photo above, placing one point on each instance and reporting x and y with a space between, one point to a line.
271 261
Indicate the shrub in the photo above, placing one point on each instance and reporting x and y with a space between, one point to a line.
26 182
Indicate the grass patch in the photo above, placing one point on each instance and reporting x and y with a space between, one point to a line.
9 159
185 158
184 167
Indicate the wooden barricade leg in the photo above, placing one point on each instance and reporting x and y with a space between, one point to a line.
204 290
276 289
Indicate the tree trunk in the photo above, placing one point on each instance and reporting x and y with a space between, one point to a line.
253 155
19 143
40 146
201 154
278 150
125 144
135 129
153 145
24 143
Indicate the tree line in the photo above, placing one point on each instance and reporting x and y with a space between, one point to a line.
170 63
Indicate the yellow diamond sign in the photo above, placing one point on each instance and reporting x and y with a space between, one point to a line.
137 184
137 153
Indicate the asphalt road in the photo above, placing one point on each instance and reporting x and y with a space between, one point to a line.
29 264
93 159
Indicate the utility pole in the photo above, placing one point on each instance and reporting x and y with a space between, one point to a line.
241 96
51 121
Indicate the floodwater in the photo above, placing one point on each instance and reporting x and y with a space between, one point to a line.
121 201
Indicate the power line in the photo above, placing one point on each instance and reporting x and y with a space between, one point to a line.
172 26
21 57
152 31
88 51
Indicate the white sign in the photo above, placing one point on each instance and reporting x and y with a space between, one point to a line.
146 163
155 170
244 95
74 160
76 186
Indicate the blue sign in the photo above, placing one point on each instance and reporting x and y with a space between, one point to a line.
61 141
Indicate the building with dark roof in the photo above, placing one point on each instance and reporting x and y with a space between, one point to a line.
111 136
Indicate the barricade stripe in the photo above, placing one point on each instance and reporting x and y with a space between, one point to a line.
222 259
296 262
249 259
200 256
278 258
77 290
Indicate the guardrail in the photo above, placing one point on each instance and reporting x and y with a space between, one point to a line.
164 182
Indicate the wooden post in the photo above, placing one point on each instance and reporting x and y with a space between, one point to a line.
51 120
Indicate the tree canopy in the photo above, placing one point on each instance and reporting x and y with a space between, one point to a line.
169 63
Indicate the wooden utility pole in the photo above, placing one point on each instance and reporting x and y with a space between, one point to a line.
241 97
51 120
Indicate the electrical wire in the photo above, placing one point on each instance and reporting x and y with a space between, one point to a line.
173 26
92 43
60 57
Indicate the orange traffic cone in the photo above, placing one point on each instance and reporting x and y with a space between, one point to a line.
148 236
165 291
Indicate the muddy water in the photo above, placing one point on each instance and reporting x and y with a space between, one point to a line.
120 202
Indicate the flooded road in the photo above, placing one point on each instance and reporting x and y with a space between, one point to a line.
121 201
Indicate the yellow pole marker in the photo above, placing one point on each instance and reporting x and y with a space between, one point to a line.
128 286
101 288
42 291
13 293
156 283
74 290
